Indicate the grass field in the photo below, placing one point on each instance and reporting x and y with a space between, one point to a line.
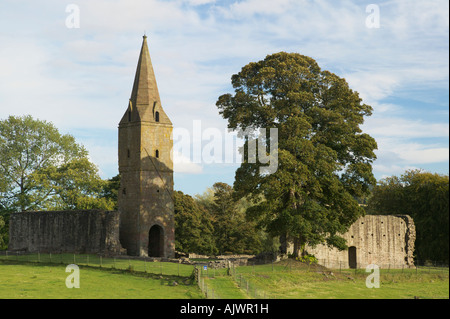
23 277
294 280
48 282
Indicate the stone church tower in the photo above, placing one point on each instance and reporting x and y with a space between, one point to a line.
146 167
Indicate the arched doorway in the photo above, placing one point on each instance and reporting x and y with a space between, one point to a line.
156 241
352 257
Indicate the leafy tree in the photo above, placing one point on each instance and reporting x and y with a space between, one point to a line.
110 190
3 231
425 197
193 226
324 158
233 233
41 169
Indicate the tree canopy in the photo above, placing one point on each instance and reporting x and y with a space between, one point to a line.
324 158
42 169
425 197
193 226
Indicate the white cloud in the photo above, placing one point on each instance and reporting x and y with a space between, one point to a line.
404 128
420 154
200 2
81 78
182 164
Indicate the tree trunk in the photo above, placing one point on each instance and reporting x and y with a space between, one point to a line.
299 247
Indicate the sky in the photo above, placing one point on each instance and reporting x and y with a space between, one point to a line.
73 64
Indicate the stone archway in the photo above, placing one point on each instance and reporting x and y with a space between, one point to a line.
156 241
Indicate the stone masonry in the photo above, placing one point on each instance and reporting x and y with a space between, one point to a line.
387 241
89 231
146 168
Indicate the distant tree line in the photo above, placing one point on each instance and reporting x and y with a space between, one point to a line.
216 223
425 197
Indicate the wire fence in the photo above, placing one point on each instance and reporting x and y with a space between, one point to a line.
202 281
236 281
249 279
154 266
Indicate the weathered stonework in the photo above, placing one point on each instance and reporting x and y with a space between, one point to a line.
89 231
387 241
145 164
144 222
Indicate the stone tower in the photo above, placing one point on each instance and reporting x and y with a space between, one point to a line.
145 164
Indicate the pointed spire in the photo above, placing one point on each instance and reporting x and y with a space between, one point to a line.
145 89
145 103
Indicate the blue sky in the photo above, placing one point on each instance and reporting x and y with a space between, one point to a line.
81 78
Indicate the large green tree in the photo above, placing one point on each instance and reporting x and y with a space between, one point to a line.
41 169
425 197
324 158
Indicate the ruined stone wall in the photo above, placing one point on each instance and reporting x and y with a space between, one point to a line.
387 241
89 231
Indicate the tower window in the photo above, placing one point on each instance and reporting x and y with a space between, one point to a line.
157 154
129 115
128 153
157 116
124 191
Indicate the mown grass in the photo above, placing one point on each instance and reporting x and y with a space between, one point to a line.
223 287
31 281
290 279
137 265
33 276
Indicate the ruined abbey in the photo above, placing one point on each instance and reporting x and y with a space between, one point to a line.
144 222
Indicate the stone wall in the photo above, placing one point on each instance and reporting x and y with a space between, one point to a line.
89 231
387 241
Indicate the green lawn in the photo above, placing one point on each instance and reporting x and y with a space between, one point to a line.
123 278
289 279
44 281
154 267
223 287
